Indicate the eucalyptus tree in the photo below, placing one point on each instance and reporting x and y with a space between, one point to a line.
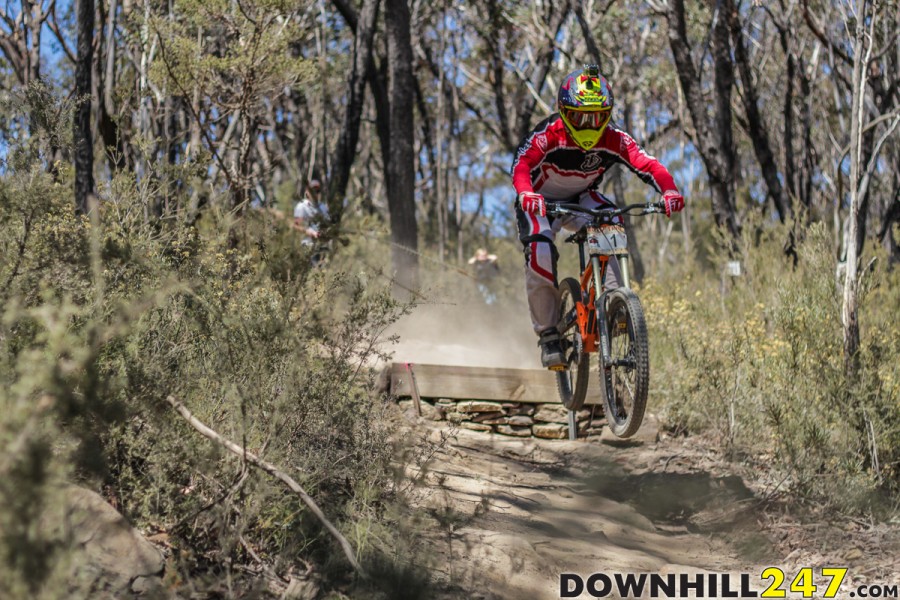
83 136
869 100
865 21
399 171
711 118
228 62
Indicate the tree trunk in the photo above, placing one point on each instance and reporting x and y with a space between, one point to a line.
379 88
35 11
589 39
497 69
555 23
714 140
84 147
637 261
401 166
891 216
726 155
757 128
850 309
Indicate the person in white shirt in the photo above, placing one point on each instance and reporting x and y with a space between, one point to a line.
306 211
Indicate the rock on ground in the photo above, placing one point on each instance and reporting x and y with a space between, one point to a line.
115 560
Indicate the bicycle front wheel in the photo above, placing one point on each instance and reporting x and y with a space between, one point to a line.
573 381
626 378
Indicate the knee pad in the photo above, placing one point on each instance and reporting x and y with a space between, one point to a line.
537 248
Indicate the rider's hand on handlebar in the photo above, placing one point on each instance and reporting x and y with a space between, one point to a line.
672 202
533 203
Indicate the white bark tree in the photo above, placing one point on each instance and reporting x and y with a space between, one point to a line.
861 20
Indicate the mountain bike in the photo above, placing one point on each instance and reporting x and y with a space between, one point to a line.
608 322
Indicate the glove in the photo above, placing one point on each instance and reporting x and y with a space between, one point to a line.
533 204
673 202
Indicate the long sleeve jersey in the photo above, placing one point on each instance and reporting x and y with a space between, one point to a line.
551 164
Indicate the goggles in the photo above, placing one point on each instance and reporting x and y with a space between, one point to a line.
587 119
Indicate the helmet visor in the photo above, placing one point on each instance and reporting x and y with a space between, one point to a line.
587 119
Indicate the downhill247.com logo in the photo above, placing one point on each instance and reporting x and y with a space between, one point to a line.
771 583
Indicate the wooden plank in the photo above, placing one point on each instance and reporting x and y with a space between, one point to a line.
415 389
481 383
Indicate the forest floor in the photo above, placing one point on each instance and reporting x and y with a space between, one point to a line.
509 515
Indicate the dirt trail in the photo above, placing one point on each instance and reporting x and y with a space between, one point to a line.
513 514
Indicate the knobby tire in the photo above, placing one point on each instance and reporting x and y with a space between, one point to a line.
625 387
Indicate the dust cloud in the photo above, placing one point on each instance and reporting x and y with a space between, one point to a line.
468 332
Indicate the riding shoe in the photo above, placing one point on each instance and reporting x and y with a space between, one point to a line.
552 356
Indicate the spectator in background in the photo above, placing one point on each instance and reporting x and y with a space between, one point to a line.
306 212
486 272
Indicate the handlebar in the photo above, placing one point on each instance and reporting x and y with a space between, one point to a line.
565 208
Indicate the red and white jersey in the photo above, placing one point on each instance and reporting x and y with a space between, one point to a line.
550 163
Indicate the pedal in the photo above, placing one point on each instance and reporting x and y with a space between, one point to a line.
558 368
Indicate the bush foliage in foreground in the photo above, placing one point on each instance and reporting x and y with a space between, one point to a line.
104 318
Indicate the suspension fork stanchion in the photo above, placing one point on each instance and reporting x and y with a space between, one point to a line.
624 270
600 304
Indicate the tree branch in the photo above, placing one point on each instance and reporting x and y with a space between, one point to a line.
203 131
660 132
541 72
592 47
271 470
425 51
23 245
871 125
817 31
348 12
54 27
873 160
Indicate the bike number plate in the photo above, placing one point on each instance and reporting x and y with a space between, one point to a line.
607 240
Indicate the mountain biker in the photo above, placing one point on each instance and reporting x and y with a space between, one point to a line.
564 159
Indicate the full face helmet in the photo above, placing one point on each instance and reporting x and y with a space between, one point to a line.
585 102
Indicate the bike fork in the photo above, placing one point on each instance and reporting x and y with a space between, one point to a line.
623 268
600 302
605 360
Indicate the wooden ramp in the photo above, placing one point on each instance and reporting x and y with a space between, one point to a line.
481 383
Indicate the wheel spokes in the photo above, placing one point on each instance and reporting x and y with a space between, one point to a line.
629 388
623 365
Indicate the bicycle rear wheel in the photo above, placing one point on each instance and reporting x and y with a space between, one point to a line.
573 381
626 378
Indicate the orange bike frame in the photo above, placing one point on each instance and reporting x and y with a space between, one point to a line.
587 308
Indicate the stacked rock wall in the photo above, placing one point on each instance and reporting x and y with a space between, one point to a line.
511 418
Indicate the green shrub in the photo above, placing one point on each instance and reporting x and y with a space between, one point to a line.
104 318
756 361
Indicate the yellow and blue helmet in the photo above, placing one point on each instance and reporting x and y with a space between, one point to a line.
585 102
